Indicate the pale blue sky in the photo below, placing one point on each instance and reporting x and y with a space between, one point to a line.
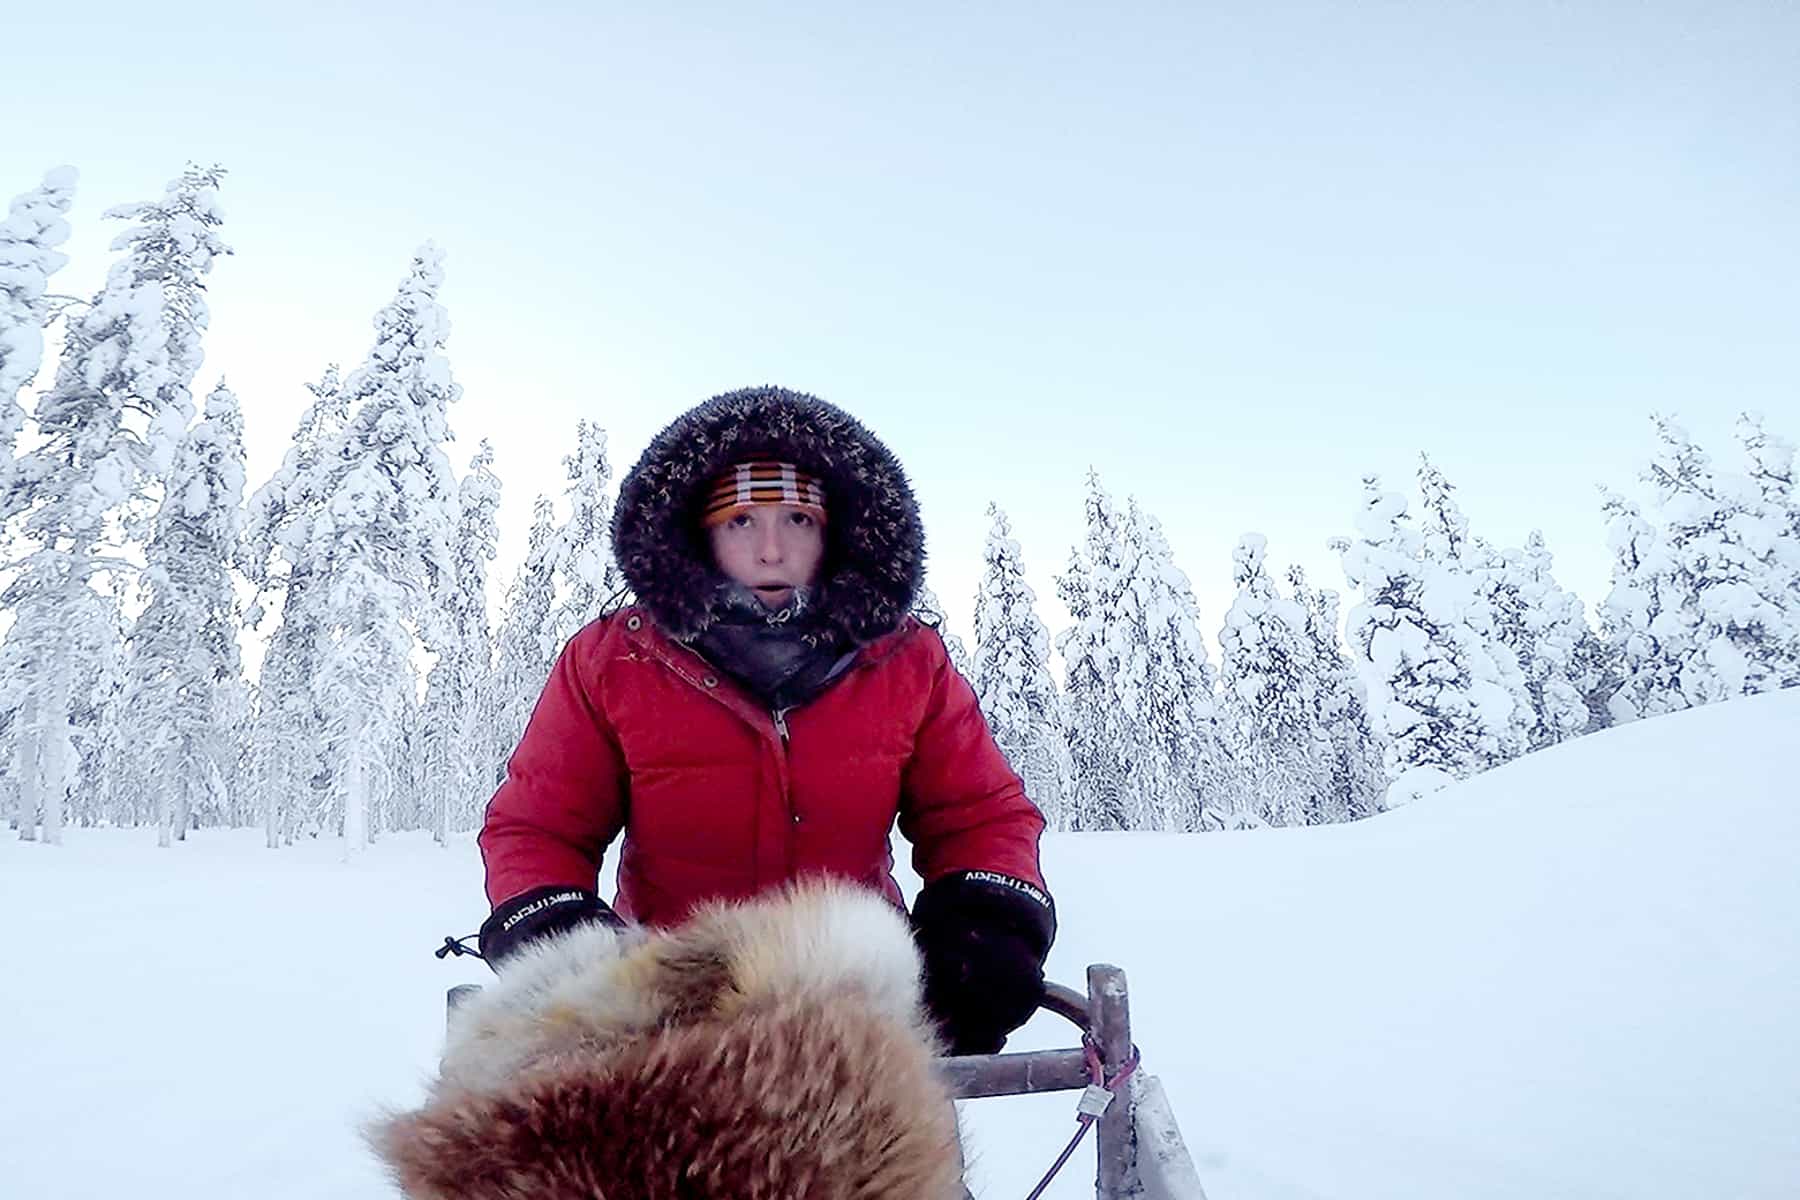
1233 256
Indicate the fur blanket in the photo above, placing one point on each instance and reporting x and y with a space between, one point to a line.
774 1049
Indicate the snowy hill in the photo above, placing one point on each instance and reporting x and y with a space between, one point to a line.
1574 976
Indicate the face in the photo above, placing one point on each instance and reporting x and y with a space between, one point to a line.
770 549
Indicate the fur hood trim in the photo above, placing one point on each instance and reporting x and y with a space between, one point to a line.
875 544
760 1051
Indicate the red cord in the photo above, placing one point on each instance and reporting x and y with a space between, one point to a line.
1097 1071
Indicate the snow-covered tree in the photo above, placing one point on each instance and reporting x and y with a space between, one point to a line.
1776 523
1012 677
452 779
929 611
1269 688
1434 694
1702 606
524 651
385 540
581 548
1546 630
183 663
96 701
287 771
33 228
1099 742
108 426
1476 573
281 513
1354 781
1733 582
397 783
1184 779
1142 720
1638 618
88 632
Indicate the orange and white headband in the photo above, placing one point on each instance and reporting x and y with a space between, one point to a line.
749 484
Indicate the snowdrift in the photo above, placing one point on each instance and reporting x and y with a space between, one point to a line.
1573 976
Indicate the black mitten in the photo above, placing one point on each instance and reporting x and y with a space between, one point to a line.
984 937
540 913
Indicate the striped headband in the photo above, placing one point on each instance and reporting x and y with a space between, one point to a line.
763 482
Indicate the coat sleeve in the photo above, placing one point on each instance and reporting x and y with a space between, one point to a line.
961 806
563 800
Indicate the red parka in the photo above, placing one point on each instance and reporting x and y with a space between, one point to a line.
717 796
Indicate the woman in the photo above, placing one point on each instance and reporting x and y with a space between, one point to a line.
766 711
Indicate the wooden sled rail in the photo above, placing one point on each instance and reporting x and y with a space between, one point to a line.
1139 1149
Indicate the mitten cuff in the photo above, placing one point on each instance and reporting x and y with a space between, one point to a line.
540 913
988 900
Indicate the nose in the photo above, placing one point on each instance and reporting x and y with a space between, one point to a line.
768 543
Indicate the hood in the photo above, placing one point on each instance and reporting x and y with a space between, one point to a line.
874 544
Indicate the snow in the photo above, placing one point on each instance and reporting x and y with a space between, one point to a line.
1571 976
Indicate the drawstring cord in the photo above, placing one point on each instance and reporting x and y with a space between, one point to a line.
1099 1094
453 947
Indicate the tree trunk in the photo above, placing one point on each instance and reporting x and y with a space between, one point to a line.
439 788
54 746
165 808
272 778
30 787
356 801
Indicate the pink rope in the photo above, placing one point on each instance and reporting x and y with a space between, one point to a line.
1097 1071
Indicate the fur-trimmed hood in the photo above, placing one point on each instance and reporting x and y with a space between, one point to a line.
874 542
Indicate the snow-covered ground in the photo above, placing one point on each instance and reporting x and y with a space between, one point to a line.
1575 976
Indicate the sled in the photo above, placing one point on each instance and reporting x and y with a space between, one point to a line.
1140 1154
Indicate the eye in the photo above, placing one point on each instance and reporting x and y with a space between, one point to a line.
740 521
800 518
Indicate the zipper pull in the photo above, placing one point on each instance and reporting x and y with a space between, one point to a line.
780 715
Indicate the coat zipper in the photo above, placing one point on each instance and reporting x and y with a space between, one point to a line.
780 715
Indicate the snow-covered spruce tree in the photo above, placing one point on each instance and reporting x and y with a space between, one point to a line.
1269 699
1547 630
19 741
581 548
1776 524
288 774
1012 677
1099 735
182 659
524 652
33 228
91 633
1637 616
1434 709
1734 581
10 766
930 612
1598 671
1141 717
96 699
1168 687
1472 571
237 712
1703 605
452 780
1354 782
108 428
385 541
1771 462
399 777
96 634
